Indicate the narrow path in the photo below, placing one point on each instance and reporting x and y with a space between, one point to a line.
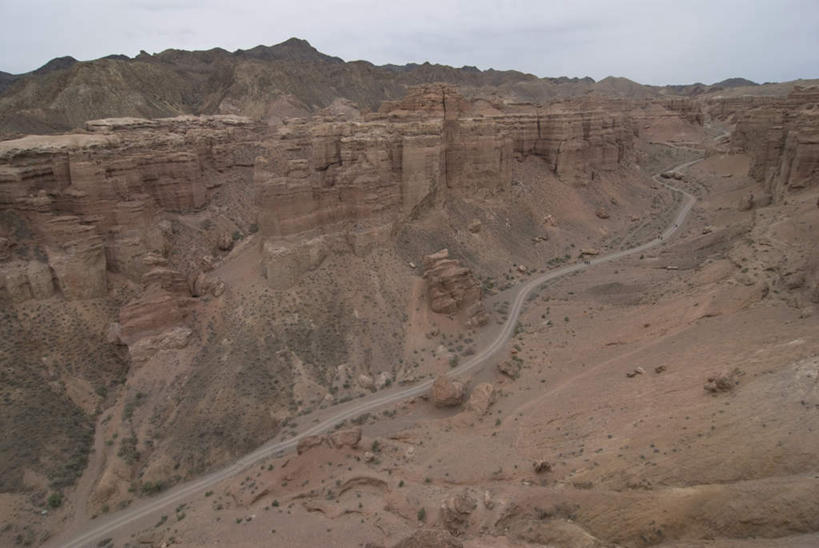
106 526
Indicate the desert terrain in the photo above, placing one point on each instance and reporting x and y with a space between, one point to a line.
285 300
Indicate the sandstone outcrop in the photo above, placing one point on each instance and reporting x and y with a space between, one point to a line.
446 392
336 186
452 287
94 203
782 137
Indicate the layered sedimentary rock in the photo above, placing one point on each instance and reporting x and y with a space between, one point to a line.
782 138
329 185
102 201
452 288
78 207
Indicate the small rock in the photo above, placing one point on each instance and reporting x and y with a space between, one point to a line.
455 512
746 203
540 466
368 456
412 265
217 288
488 503
366 382
208 263
510 368
225 242
602 213
723 381
475 226
659 369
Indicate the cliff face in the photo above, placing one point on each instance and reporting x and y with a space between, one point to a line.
334 185
84 205
782 138
102 202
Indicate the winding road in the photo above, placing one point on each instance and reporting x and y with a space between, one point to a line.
104 527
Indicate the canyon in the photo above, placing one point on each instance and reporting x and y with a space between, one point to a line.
180 287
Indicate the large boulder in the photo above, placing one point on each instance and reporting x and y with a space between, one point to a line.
481 398
446 392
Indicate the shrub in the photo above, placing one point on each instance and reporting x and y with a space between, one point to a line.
55 500
422 514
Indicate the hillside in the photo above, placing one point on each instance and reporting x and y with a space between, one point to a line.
269 82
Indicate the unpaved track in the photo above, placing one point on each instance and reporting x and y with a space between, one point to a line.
104 527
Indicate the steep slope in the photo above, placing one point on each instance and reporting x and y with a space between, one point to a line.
233 277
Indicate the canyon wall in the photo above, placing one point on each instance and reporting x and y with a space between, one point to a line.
325 185
77 207
782 137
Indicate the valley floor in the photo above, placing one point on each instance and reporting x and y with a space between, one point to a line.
611 394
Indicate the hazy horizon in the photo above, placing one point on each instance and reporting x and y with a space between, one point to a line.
656 43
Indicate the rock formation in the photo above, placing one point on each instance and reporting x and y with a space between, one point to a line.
782 137
452 287
446 392
482 396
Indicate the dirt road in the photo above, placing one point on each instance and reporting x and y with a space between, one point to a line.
104 527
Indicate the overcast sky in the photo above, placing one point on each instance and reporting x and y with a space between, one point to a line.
650 41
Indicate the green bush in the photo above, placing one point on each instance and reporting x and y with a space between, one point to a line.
55 500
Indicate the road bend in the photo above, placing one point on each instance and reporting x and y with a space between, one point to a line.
104 527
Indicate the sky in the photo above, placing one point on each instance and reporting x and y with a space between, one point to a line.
649 41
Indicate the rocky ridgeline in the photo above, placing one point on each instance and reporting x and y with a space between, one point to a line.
782 137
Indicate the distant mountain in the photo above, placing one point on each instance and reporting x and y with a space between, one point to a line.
735 83
58 63
267 83
6 80
65 93
293 49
